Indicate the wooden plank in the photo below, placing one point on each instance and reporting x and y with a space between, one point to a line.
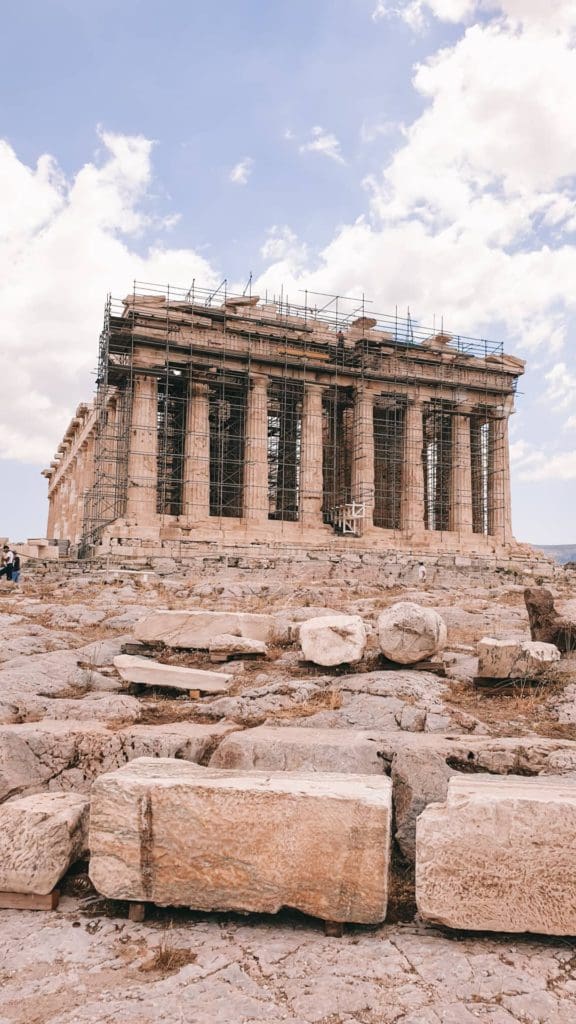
137 912
29 900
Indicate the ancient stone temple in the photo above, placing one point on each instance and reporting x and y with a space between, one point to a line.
224 417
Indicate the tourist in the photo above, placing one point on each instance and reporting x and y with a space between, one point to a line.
16 568
7 562
422 573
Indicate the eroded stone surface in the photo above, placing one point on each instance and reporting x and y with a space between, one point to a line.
409 633
152 673
512 659
195 629
333 639
499 856
226 643
294 748
70 755
255 841
40 836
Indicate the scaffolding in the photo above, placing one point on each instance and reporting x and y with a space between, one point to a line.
159 343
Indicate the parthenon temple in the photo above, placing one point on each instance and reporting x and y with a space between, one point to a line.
256 419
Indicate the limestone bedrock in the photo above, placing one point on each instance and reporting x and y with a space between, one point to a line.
195 629
408 633
181 835
40 837
498 856
152 673
292 748
514 659
333 639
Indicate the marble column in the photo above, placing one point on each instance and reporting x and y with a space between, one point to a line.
142 455
255 500
499 499
412 504
461 482
196 488
311 479
363 452
52 515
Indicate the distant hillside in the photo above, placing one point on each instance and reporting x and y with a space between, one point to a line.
561 552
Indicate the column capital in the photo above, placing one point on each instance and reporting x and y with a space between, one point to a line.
259 380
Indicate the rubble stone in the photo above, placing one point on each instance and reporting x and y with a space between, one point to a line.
333 639
546 624
40 837
226 643
195 629
513 659
250 841
152 673
409 633
499 856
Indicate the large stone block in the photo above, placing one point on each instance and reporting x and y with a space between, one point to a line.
177 834
515 659
40 837
333 639
152 673
408 633
293 748
499 856
195 629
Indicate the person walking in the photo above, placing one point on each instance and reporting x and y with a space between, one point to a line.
422 573
7 562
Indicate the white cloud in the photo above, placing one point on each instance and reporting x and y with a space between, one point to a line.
536 464
473 217
372 130
65 244
241 171
325 143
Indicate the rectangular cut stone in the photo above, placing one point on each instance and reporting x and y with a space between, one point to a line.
152 673
181 835
514 659
293 748
195 629
499 855
40 837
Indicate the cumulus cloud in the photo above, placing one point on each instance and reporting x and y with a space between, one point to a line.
65 243
325 143
473 217
241 171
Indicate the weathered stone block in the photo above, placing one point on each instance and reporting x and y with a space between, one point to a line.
152 673
499 856
293 748
409 633
225 643
40 837
513 659
177 834
195 629
333 639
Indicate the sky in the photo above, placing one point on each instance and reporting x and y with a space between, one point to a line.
420 152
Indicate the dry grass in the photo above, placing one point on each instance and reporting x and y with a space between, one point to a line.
513 709
168 958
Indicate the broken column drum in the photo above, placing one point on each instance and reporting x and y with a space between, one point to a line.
280 424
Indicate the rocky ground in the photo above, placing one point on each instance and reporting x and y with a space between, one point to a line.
66 716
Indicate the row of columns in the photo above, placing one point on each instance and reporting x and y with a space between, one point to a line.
66 505
142 460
